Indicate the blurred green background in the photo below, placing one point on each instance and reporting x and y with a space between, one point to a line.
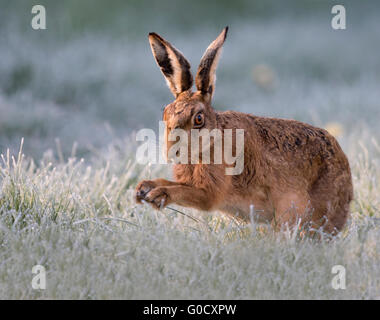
90 77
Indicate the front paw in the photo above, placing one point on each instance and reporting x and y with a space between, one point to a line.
143 188
158 197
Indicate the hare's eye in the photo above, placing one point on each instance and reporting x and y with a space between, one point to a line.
198 120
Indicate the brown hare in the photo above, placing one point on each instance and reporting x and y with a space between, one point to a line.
293 172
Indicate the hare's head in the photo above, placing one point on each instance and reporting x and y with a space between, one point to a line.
190 109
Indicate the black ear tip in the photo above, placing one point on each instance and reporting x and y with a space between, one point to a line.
156 36
153 34
225 32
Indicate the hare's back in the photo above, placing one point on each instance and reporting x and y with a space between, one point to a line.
297 147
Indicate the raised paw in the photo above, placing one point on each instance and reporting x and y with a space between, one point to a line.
158 197
143 189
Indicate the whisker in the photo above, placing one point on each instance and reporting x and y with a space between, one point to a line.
185 214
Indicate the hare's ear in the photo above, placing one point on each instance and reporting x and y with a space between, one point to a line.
205 78
174 66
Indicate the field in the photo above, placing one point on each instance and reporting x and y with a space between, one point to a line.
72 97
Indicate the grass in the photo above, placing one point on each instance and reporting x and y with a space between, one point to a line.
81 223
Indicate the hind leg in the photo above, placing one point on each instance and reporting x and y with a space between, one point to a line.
291 207
330 198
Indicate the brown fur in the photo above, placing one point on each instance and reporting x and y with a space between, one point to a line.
292 170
